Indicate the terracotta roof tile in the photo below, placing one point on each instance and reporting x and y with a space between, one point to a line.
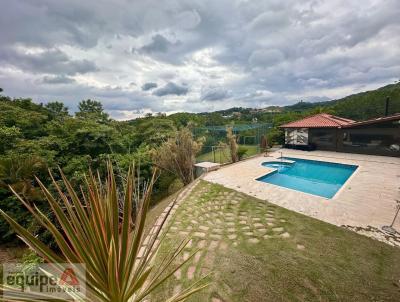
322 120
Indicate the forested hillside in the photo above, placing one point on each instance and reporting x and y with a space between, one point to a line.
369 104
360 106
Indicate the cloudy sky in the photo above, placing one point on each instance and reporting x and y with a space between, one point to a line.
197 55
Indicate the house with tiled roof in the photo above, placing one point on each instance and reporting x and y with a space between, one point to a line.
380 136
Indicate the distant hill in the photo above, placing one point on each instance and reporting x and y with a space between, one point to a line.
304 106
369 104
360 106
229 111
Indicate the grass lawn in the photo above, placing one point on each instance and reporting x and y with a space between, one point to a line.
224 156
257 251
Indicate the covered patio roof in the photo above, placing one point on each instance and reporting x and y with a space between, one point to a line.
394 117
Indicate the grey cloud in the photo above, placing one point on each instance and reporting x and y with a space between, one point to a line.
52 61
270 20
59 79
45 22
171 89
214 94
188 19
266 58
149 86
158 44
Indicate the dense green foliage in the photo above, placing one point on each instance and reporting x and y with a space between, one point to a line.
34 138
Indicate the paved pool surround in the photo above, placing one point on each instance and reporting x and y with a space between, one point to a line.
368 198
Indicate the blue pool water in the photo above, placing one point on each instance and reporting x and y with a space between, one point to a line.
309 176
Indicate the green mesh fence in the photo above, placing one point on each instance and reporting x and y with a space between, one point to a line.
216 149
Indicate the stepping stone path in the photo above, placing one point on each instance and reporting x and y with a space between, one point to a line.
177 289
204 228
254 240
197 257
190 273
300 247
217 220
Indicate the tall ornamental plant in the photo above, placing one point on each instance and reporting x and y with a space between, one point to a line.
233 147
103 228
177 155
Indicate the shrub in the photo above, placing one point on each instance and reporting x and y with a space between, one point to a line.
241 152
178 155
276 136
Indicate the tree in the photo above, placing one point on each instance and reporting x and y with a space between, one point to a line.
22 113
214 119
8 136
91 109
96 230
264 144
185 119
153 131
57 110
178 154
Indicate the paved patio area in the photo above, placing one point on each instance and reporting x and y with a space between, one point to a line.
368 198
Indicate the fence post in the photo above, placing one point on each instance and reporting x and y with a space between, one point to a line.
213 151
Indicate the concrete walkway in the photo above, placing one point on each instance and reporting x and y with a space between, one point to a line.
368 198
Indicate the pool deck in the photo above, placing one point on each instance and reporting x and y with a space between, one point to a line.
368 198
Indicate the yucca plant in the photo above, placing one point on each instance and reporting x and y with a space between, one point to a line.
105 234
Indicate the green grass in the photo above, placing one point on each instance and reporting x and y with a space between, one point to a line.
335 264
224 156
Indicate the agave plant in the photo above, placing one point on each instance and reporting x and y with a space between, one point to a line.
107 238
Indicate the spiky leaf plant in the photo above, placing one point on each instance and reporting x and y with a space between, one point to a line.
107 238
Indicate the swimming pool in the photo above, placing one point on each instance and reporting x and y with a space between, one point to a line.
310 176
